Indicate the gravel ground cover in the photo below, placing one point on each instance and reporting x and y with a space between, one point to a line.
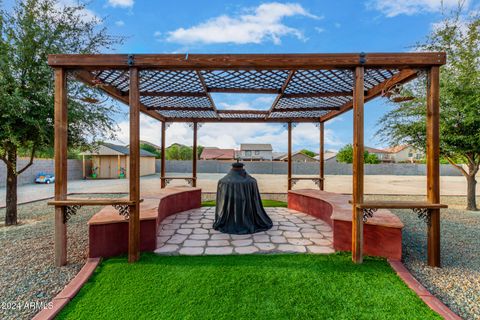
27 273
457 283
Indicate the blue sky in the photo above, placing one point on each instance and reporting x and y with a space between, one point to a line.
268 27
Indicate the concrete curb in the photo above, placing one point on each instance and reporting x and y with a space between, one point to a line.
430 300
70 290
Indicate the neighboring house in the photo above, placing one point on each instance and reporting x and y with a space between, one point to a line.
382 155
328 156
213 153
256 151
110 160
296 157
158 148
405 153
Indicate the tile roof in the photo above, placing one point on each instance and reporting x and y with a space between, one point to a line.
217 153
256 146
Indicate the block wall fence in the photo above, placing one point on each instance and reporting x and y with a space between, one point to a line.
254 167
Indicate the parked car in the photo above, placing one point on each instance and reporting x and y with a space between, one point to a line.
43 177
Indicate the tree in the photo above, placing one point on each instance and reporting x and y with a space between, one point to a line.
345 155
151 149
28 33
308 153
458 34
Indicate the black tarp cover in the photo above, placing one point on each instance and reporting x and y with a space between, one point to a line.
239 207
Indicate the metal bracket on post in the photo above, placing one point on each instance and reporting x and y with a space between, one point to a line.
368 213
363 58
69 211
285 125
424 214
131 60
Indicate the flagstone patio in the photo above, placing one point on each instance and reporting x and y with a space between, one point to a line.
191 233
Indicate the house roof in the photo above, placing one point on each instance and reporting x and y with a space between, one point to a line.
327 155
256 146
285 155
374 150
396 149
217 153
119 150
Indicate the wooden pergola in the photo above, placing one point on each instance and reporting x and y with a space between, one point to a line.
310 88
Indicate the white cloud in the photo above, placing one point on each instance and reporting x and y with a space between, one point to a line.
85 14
231 135
119 23
392 8
258 25
319 30
121 3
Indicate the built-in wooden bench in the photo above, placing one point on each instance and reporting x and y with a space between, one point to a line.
382 232
108 230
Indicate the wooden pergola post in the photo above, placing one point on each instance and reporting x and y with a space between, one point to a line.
195 155
321 156
358 150
162 160
61 134
134 218
433 165
289 158
84 170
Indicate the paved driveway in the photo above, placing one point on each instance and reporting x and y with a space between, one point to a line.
268 183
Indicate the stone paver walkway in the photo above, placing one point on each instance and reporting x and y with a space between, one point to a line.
191 233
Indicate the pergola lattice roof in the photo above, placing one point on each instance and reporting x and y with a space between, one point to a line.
308 87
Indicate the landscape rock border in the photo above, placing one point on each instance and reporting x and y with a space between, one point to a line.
70 290
433 302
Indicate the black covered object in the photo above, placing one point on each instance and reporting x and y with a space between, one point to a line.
239 206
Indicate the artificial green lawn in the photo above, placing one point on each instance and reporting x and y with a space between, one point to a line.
266 203
246 287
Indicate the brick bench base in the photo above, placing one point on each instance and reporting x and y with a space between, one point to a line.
108 231
382 233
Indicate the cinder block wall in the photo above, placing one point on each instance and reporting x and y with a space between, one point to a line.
40 165
305 168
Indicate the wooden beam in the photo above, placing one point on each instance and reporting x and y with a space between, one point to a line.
87 78
205 88
180 108
322 155
401 77
300 109
433 164
244 90
282 91
242 112
358 150
134 176
247 120
249 61
173 94
318 95
163 153
289 157
195 155
61 148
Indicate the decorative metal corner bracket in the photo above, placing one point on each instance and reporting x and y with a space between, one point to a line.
424 214
189 181
368 213
123 210
70 211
